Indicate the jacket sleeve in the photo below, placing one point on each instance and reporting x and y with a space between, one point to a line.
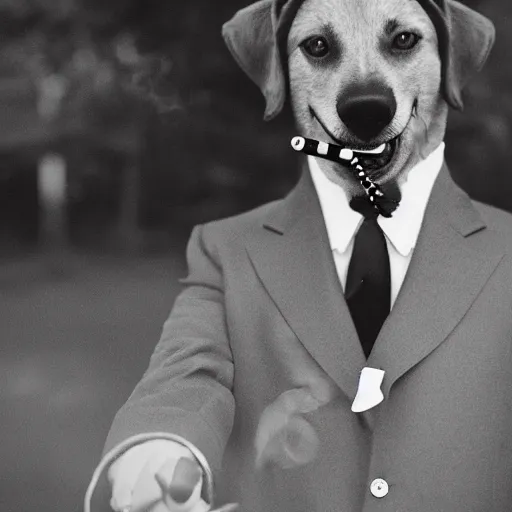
187 388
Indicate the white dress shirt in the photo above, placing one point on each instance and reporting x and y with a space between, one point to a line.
401 230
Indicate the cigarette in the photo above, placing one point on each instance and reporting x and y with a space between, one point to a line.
338 154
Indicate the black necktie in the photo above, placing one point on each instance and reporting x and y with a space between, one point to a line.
368 288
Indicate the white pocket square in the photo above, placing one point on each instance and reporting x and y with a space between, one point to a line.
369 393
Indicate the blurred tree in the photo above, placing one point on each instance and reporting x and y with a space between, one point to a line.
81 106
215 157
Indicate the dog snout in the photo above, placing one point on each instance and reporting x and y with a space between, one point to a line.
367 109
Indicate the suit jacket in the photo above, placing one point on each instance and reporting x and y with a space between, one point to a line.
262 312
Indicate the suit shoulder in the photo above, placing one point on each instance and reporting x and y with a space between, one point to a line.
500 221
232 229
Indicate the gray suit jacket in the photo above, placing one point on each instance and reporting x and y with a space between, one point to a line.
263 312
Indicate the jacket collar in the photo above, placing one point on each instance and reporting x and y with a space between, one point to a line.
402 229
448 204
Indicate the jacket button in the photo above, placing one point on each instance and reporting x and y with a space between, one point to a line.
379 488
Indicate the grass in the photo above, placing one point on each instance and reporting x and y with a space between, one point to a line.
75 338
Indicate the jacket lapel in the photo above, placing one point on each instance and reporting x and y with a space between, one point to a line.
445 276
293 259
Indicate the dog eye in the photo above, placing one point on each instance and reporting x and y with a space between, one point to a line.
316 47
406 41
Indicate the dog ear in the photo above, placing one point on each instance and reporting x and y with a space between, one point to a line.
471 40
251 38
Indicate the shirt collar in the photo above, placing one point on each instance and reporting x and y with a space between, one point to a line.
402 229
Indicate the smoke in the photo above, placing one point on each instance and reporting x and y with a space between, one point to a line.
149 77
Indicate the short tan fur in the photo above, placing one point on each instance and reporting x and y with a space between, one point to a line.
360 33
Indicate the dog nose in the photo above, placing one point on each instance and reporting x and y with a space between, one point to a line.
366 110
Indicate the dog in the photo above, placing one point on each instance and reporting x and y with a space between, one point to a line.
381 72
378 81
260 371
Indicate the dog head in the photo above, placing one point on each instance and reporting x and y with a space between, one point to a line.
361 73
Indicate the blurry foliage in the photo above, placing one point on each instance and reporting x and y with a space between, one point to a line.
151 80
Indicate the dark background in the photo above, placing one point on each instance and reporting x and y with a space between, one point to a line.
159 130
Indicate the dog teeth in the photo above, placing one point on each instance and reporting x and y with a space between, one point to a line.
376 151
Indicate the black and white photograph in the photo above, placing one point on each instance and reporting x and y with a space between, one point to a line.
256 256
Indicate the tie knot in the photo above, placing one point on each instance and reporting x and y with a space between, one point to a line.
363 206
387 203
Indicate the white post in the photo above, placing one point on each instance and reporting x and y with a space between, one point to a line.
51 182
52 171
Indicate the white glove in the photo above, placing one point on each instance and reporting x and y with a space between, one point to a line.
157 476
